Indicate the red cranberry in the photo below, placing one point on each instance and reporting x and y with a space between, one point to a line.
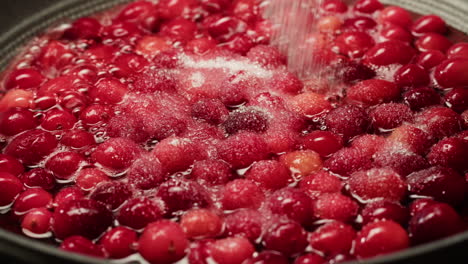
136 213
440 121
450 73
310 104
247 10
201 223
411 138
239 43
293 203
142 13
419 98
449 152
232 250
55 56
30 199
458 50
23 79
213 172
81 245
457 99
88 178
368 144
116 153
169 9
11 186
215 6
57 120
417 205
377 183
108 91
323 142
31 146
247 119
396 15
290 83
310 258
287 237
396 157
320 183
83 217
68 194
223 28
333 238
334 6
395 32
268 257
266 56
347 160
64 164
385 210
372 92
427 24
84 28
10 165
411 75
201 45
433 222
269 174
379 238
360 23
176 154
443 184
77 139
386 117
119 242
368 6
37 221
179 29
243 149
210 110
180 194
163 242
335 206
112 193
246 223
38 178
348 121
302 162
146 173
95 115
429 59
389 52
16 120
242 193
433 41
128 64
351 72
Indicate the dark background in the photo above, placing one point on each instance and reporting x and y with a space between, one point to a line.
11 15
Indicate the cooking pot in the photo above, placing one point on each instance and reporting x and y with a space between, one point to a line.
20 20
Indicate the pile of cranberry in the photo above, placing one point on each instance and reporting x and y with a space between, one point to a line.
171 131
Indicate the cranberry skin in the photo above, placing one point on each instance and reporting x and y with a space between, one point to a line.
37 221
247 119
348 160
385 210
430 59
389 52
419 98
16 120
428 24
116 153
324 143
417 205
368 144
232 250
411 75
368 6
395 32
450 73
269 174
83 217
457 99
84 28
139 212
372 92
433 41
179 29
119 242
443 184
10 165
379 238
77 139
64 164
108 91
440 122
31 146
201 223
211 110
163 242
82 245
24 79
399 159
142 13
433 222
334 6
239 43
245 222
113 194
266 56
38 178
212 172
354 44
293 203
335 206
215 6
11 186
347 121
57 120
88 178
68 194
146 173
310 258
267 257
287 237
320 183
201 45
242 193
333 238
169 9
378 183
95 115
180 194
386 117
396 15
243 149
30 199
458 50
450 152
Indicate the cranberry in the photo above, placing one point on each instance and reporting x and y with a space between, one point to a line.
399 159
241 193
360 23
457 99
335 206
68 194
377 183
302 162
223 28
201 223
354 44
389 116
163 242
30 199
38 178
334 6
180 194
292 203
443 184
31 146
128 64
95 115
151 46
37 221
119 242
83 217
213 172
24 79
214 6
411 75
11 186
395 32
16 120
458 50
310 258
396 15
385 210
310 104
84 28
201 45
139 212
245 222
320 183
450 73
268 257
64 164
82 245
347 160
88 178
116 153
411 138
269 174
433 222
112 193
108 91
348 121
440 121
266 56
449 152
287 237
419 98
352 72
368 6
176 154
427 24
142 13
379 238
243 149
233 250
10 165
77 139
290 83
210 110
429 59
247 119
389 52
372 92
333 238
368 144
417 205
433 41
179 29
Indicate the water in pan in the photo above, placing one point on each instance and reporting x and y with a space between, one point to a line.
185 114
